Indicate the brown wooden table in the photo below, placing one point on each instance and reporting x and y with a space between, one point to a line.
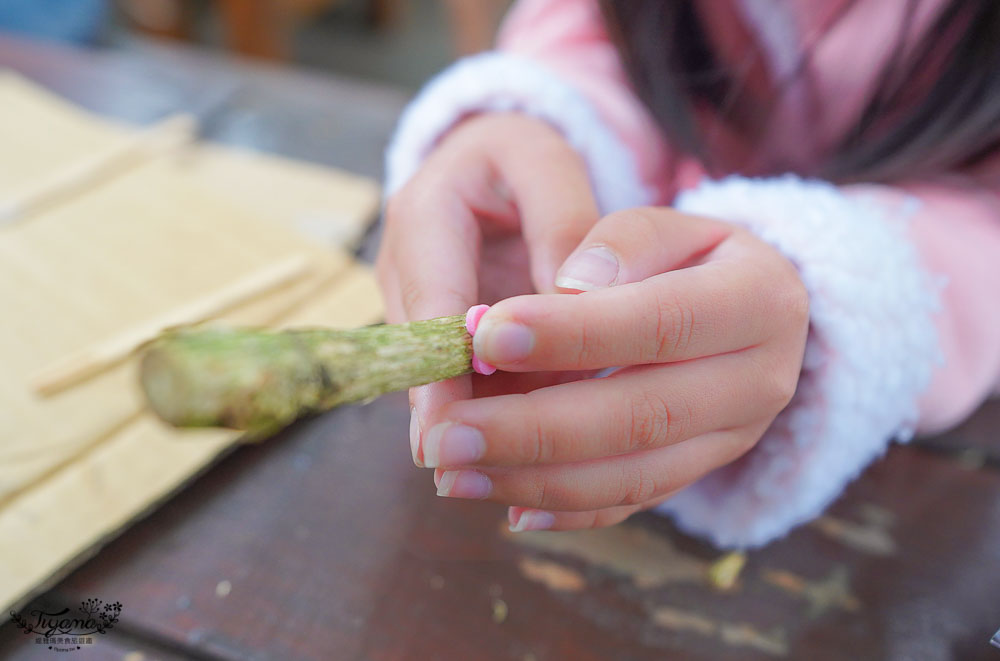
327 543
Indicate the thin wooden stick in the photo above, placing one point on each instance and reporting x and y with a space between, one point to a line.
163 137
99 357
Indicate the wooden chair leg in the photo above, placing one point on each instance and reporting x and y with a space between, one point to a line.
382 14
473 23
256 27
163 18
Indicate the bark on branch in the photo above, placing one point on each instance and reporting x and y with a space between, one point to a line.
261 380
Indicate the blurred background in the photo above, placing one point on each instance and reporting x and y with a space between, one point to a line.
168 162
401 42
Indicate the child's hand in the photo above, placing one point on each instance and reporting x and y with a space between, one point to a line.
502 195
493 211
713 322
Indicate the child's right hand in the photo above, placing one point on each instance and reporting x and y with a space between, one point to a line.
493 212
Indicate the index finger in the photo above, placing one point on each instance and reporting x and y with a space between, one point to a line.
434 254
430 251
690 313
433 241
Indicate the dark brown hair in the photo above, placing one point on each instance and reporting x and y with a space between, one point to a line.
905 130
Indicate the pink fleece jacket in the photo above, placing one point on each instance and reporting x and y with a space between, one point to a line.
903 281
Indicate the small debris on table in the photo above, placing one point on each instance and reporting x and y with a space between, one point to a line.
552 575
223 588
724 573
499 610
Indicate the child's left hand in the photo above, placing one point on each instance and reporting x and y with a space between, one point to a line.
710 323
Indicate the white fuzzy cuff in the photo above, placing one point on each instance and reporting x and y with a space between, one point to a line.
871 350
499 82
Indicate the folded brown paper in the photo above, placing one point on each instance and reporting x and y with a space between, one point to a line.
165 234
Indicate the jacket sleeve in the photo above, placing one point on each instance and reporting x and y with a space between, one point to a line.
904 338
553 61
904 313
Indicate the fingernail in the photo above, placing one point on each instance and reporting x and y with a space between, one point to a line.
415 437
534 520
503 342
594 268
452 444
464 484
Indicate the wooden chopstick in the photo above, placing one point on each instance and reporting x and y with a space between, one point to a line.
162 137
103 355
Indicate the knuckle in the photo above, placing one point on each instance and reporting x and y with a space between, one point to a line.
418 197
397 205
546 142
651 421
639 221
789 298
785 389
596 519
674 327
416 295
548 150
542 496
567 227
647 219
777 385
747 441
588 349
535 446
411 294
793 300
608 517
636 485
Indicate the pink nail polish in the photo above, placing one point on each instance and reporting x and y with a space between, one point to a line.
464 484
534 520
472 319
594 268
